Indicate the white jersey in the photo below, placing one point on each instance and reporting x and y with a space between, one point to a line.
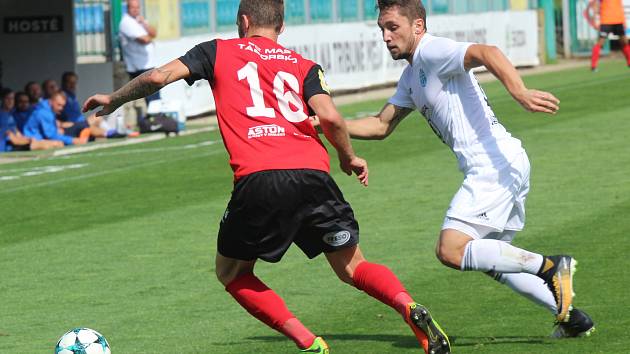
137 56
454 105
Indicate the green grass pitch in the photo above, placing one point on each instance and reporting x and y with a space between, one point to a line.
122 240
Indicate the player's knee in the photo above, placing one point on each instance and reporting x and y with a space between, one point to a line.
223 276
449 256
442 255
345 275
226 275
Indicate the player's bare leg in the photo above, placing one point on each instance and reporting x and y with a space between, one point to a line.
380 283
95 126
595 53
625 48
45 144
261 302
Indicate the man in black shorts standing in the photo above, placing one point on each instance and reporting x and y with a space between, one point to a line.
612 20
283 192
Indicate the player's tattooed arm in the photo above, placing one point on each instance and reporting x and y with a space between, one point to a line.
380 126
144 85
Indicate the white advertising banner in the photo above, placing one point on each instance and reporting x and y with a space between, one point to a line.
354 55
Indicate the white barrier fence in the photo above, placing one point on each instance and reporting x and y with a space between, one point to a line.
354 55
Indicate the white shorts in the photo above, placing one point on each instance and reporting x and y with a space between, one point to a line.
491 201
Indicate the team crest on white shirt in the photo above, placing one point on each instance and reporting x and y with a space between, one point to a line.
423 78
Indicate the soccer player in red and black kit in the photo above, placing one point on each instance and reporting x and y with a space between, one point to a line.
283 192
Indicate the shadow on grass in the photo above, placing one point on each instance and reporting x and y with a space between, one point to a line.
408 341
497 340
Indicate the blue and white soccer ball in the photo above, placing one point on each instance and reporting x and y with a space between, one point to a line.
82 341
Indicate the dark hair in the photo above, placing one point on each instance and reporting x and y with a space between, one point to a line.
68 74
4 92
47 81
412 9
263 13
20 93
29 84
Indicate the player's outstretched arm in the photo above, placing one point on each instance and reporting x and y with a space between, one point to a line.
498 64
334 128
380 126
142 86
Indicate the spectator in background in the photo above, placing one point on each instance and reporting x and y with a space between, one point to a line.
136 40
11 139
42 124
34 92
22 111
49 86
611 20
7 99
71 114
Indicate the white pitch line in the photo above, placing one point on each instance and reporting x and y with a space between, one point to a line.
138 151
101 173
140 140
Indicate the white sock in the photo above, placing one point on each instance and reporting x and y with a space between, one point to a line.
499 256
530 286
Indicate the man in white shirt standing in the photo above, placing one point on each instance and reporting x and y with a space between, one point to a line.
136 40
489 208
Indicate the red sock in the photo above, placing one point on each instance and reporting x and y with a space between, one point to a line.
295 330
380 283
595 56
264 304
626 53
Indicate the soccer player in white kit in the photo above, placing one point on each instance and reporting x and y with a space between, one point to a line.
489 208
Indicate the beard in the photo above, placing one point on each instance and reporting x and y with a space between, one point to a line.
399 55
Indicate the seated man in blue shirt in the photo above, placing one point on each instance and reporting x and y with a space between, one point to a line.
23 110
49 86
6 119
34 92
11 138
43 125
71 114
4 127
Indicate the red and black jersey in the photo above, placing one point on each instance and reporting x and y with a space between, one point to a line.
261 90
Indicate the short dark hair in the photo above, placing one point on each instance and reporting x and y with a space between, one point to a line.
47 81
20 94
4 92
263 13
68 74
412 9
29 84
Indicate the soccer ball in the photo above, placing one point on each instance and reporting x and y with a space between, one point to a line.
82 341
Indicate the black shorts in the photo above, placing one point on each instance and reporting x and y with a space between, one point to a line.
26 147
618 30
76 128
269 210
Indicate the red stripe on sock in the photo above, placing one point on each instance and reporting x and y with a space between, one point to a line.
595 56
380 283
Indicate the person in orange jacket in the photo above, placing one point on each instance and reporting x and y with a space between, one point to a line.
611 20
